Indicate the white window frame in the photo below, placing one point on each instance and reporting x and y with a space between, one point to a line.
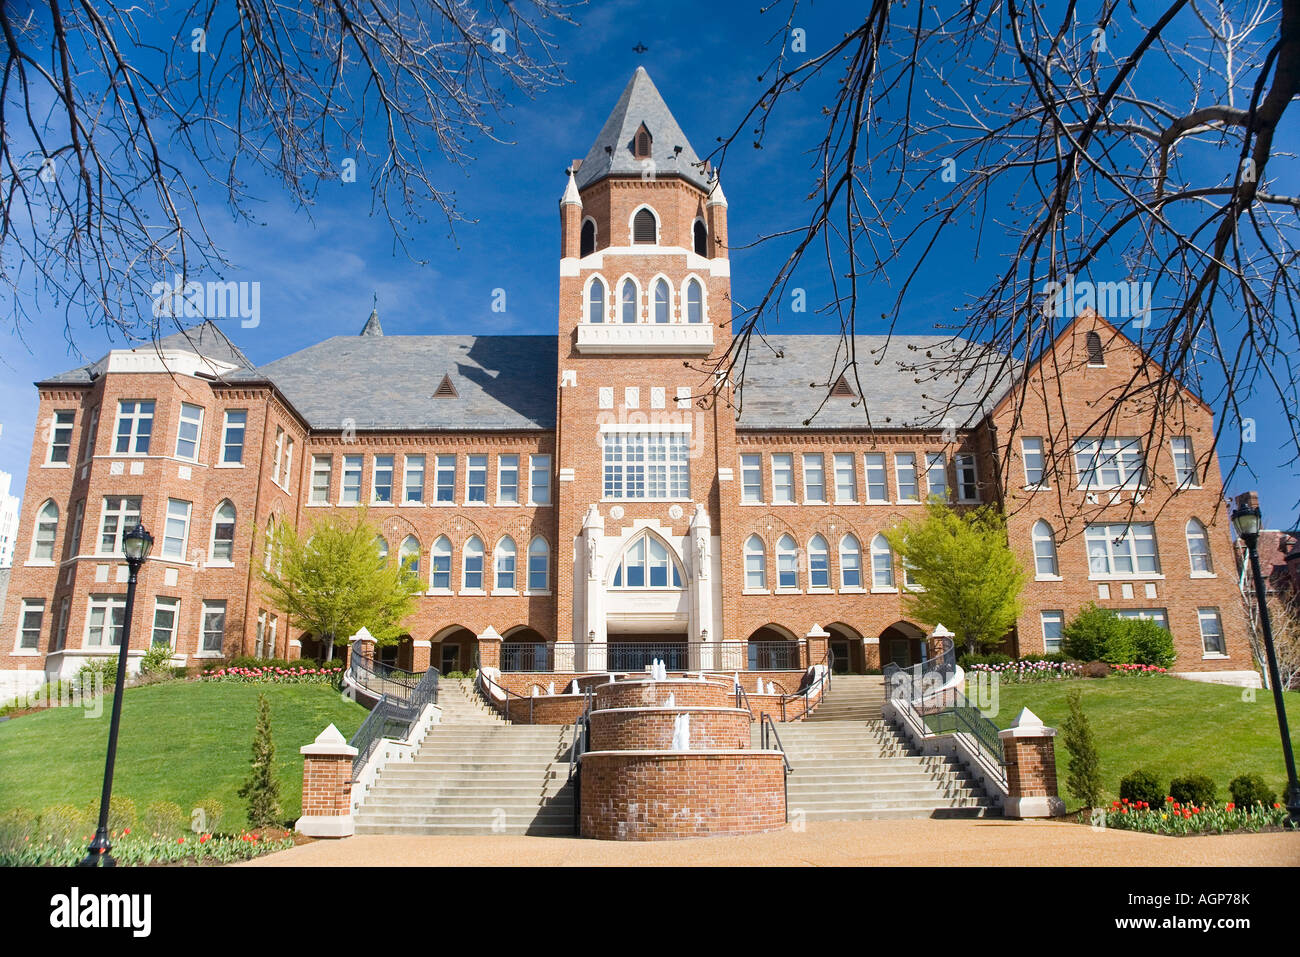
968 477
465 587
905 463
29 606
1212 613
755 566
782 464
787 564
113 608
544 555
645 465
476 492
38 537
854 552
62 423
823 550
165 603
321 465
211 608
279 455
539 479
136 417
503 487
873 462
88 438
390 468
1043 537
1054 616
882 559
1093 456
124 525
228 428
357 469
937 463
814 464
173 514
751 478
1204 535
1191 478
444 466
843 462
413 465
60 639
197 424
1115 537
288 463
213 560
1031 446
441 553
505 567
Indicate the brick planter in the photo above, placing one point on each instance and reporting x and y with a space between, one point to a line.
633 729
663 796
644 693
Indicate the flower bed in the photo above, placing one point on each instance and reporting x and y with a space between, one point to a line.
1137 670
293 675
1023 670
130 849
1176 819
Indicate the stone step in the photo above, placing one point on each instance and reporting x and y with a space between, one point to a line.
539 830
897 813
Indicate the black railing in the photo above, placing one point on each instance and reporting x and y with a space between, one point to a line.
403 695
581 740
527 656
819 686
742 700
956 715
767 737
488 686
916 681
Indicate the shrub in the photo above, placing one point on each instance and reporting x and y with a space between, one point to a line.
163 818
17 825
1084 779
1144 786
1197 790
1096 669
249 661
1249 789
95 675
261 790
207 816
121 813
64 822
156 661
1087 635
1152 645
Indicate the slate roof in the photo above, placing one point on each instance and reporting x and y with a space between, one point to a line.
387 382
787 376
204 339
640 103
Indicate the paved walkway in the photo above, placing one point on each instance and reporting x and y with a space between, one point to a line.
876 843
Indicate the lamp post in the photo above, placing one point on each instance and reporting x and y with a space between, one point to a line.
135 545
1246 520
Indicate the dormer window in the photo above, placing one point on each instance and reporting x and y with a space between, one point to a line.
1096 357
641 143
644 227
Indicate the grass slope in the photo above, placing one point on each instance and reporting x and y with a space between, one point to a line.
1170 726
180 741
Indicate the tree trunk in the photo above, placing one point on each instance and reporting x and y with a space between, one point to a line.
329 648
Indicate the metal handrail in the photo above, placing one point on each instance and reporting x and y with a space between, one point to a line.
825 678
505 710
743 696
913 680
768 727
581 738
391 713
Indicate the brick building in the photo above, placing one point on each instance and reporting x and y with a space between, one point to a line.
585 487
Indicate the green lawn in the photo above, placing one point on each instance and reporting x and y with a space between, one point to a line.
180 741
1171 726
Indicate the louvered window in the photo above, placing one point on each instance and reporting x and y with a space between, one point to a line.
644 227
641 145
1095 355
842 388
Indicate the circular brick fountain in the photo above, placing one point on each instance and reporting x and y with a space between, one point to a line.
670 759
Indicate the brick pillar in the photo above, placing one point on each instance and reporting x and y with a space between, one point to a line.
327 786
818 642
1030 756
421 653
489 649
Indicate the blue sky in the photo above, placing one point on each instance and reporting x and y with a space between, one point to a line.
319 271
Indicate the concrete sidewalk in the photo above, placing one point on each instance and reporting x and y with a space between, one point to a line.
837 843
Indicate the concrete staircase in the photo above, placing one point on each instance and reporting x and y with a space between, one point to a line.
849 765
475 774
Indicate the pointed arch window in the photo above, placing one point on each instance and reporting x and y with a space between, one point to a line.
787 563
221 549
662 306
882 563
850 562
539 565
507 554
596 301
409 553
755 564
1198 548
647 563
701 238
819 568
47 530
694 301
587 238
472 576
628 298
641 143
1045 563
645 228
440 559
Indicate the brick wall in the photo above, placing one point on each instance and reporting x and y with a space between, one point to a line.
633 729
326 785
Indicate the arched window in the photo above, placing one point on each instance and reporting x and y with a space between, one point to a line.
270 543
381 549
47 530
641 143
1198 548
882 563
1044 550
596 301
221 548
409 553
539 565
819 566
628 299
506 555
647 563
662 308
440 559
1096 357
850 562
755 564
701 238
694 301
587 238
787 563
645 228
473 573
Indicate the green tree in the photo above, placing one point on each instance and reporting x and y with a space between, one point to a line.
333 581
1084 778
969 580
261 790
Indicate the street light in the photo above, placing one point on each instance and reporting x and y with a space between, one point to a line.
1246 520
135 545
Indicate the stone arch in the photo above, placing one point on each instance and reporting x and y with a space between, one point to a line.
453 648
903 643
607 577
851 653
